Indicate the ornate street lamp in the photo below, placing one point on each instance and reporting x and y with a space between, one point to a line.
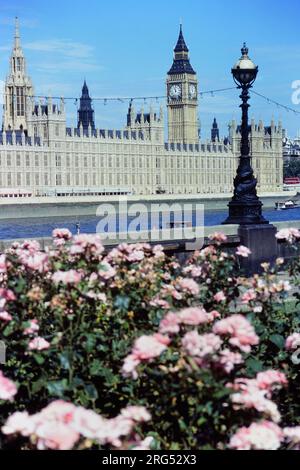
245 208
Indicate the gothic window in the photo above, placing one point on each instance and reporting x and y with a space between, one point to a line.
36 159
85 162
8 161
19 64
19 179
27 179
68 179
94 162
58 180
18 159
94 179
20 101
68 161
85 179
37 179
57 130
8 179
45 160
46 181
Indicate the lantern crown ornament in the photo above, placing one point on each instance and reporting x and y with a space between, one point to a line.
244 71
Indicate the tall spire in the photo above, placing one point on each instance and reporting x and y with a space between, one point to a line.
181 45
181 63
18 87
17 45
86 112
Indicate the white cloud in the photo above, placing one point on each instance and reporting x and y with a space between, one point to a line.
67 66
64 47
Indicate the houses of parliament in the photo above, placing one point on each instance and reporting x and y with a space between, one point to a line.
41 155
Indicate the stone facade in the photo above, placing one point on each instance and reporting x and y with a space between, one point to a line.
40 154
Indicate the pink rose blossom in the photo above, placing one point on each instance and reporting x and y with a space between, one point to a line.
5 316
38 344
36 261
7 388
106 270
292 342
292 437
201 345
67 277
258 436
85 243
243 251
218 237
248 296
32 328
63 233
3 264
138 414
220 296
19 423
289 234
170 324
241 332
149 347
269 379
189 285
195 316
227 360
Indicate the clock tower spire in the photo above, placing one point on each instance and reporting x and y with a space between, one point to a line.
182 96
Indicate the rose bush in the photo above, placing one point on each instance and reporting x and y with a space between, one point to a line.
203 350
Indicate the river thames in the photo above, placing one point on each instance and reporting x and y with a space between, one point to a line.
43 227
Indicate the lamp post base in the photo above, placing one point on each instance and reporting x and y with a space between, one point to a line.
261 240
245 213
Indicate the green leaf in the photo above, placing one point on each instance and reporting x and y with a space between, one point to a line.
254 364
122 302
65 360
95 367
91 391
278 340
57 387
39 358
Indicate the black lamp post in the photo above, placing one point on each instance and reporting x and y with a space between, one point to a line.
245 208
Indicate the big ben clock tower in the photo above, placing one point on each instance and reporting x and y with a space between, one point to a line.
182 97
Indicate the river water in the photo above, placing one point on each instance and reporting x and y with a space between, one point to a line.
43 227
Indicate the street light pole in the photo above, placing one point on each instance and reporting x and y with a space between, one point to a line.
245 208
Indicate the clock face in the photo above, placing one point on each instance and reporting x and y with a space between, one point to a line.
192 91
175 91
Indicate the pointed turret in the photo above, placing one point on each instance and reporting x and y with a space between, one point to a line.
18 87
181 62
215 134
86 112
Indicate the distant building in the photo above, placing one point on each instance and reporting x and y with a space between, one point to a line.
41 155
86 112
215 134
291 149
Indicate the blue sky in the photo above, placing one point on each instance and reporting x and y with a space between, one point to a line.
124 48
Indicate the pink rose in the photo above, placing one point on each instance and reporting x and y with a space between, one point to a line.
7 388
243 251
292 342
38 344
220 296
32 328
67 277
